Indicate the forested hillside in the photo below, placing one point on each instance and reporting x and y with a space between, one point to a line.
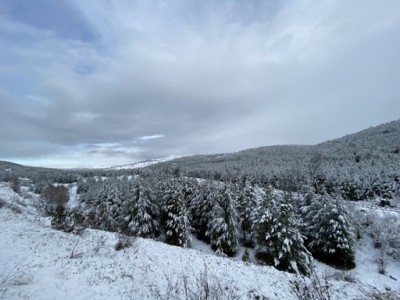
355 167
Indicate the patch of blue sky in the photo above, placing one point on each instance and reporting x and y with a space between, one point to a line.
56 16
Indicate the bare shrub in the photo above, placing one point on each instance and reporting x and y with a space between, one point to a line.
75 254
204 286
246 256
382 263
52 202
343 276
16 209
208 286
99 243
386 294
14 275
16 185
124 241
2 203
314 288
52 198
385 234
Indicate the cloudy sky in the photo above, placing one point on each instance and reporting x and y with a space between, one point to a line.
107 82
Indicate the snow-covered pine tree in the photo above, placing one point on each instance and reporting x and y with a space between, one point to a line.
302 207
262 212
143 213
201 206
330 233
245 205
108 205
177 223
278 236
223 227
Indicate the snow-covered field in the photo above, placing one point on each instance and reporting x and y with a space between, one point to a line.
37 262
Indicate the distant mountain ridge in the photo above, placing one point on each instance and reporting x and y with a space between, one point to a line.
144 164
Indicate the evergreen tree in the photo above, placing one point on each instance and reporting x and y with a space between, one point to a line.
330 233
223 228
201 205
143 213
108 205
177 222
246 204
278 236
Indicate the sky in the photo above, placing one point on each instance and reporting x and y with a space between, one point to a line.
97 83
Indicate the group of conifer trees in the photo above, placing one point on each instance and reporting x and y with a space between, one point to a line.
285 230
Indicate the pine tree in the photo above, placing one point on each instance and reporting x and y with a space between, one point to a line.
201 205
143 213
279 237
177 222
246 204
330 233
223 228
108 205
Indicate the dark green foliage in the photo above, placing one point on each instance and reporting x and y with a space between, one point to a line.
330 235
201 205
223 227
281 244
177 223
245 206
142 213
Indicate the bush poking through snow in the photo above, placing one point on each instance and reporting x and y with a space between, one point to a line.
13 275
204 286
124 241
343 275
52 202
52 198
382 263
246 256
2 203
387 294
385 234
16 185
314 288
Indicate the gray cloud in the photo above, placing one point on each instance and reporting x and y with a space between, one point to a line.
198 77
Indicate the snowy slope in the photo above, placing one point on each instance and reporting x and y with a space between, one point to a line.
37 262
144 164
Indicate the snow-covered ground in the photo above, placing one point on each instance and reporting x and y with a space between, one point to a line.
144 164
37 262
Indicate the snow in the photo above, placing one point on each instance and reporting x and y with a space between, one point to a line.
40 260
144 164
37 262
73 196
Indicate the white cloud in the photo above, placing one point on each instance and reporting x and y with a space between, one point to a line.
151 137
211 76
84 117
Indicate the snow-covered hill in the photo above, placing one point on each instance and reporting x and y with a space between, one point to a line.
144 164
37 262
